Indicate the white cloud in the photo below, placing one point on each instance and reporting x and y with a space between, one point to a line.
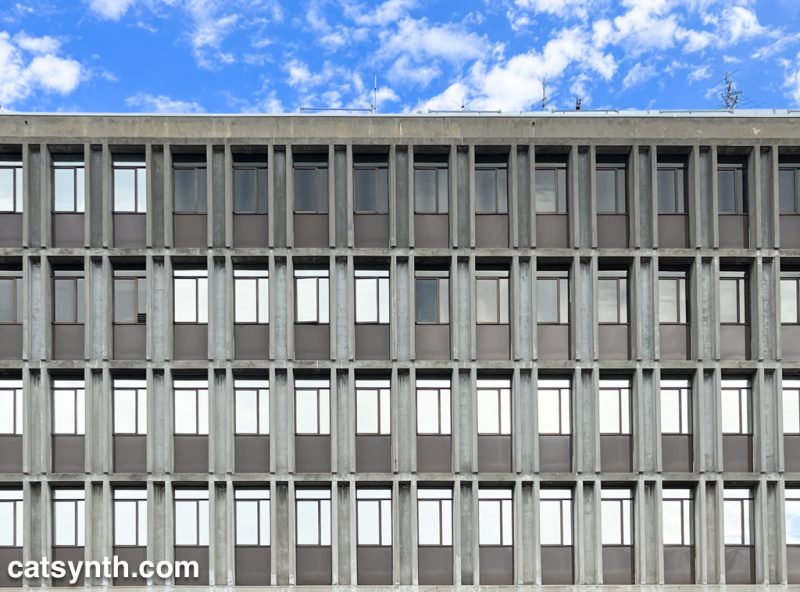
162 104
22 75
561 8
417 39
111 10
740 23
403 71
792 80
637 75
383 14
701 73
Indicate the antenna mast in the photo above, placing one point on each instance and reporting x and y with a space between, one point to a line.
545 98
729 96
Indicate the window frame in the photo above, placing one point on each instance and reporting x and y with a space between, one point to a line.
438 277
623 391
381 388
15 388
562 387
200 170
790 278
373 167
318 497
78 290
684 394
790 386
322 388
502 313
683 497
739 500
442 203
382 290
137 166
262 397
198 277
623 499
620 280
18 303
257 167
494 167
562 498
245 277
744 405
679 281
443 499
620 171
74 498
561 279
489 498
78 169
500 390
139 277
15 499
791 500
794 169
678 170
382 497
321 181
199 499
77 388
556 168
17 185
126 496
444 411
739 171
139 389
742 306
200 390
322 278
261 497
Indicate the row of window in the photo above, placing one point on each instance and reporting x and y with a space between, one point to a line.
374 516
371 185
372 296
373 406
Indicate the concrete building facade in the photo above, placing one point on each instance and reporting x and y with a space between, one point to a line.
403 350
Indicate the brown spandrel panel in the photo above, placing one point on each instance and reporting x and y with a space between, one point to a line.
614 342
312 454
791 453
673 231
431 230
493 342
677 453
615 453
740 564
312 342
68 342
10 453
191 454
372 342
494 454
733 231
250 231
553 342
435 566
496 565
678 564
253 566
67 554
130 231
314 566
674 341
133 557
191 342
618 564
311 231
251 342
130 342
790 231
190 230
68 230
612 231
491 231
737 452
198 555
555 453
434 454
790 343
7 556
432 342
373 454
557 564
371 230
374 565
130 454
251 454
11 230
552 231
793 564
734 342
11 342
69 454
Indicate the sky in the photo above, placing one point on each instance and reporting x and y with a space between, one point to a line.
284 56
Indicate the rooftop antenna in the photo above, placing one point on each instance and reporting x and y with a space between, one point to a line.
578 101
729 96
375 95
545 98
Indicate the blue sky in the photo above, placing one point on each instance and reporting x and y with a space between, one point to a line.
231 56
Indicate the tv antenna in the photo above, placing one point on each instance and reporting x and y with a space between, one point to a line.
578 103
730 95
545 98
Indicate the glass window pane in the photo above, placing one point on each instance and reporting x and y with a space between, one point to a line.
125 301
184 190
245 300
125 190
246 412
425 191
185 412
668 301
186 523
791 411
726 189
64 298
366 301
382 191
64 190
611 522
307 523
549 403
489 522
728 301
141 186
670 411
64 516
425 300
262 185
789 301
79 190
7 190
305 191
608 305
550 522
488 412
64 412
306 300
547 300
667 196
125 523
792 521
185 300
429 522
485 188
264 522
546 191
672 522
444 301
125 412
7 531
730 412
504 302
202 300
244 190
80 300
427 412
369 523
442 190
8 296
367 411
386 411
610 408
606 187
487 301
323 295
364 190
502 191
247 522
787 191
306 412
734 532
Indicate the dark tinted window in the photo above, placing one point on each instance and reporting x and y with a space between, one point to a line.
430 190
311 189
731 188
671 194
610 187
491 190
551 190
250 190
788 190
190 190
371 189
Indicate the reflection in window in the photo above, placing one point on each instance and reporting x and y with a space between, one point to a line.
11 302
68 184
130 296
372 296
68 297
612 296
790 303
190 188
610 187
252 516
615 516
432 297
551 188
433 406
792 513
431 188
12 187
312 407
313 517
191 407
251 400
371 188
495 517
789 189
676 506
736 406
494 406
311 295
250 188
672 297
738 509
130 185
733 297
671 187
491 288
491 185
731 186
373 407
552 297
310 185
191 517
554 406
791 405
435 517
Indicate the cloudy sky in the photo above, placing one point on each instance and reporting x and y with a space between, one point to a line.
281 55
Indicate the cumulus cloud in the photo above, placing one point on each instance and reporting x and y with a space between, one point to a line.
162 104
792 80
637 75
419 40
112 10
29 64
561 8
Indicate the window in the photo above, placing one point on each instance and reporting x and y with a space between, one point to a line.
671 180
491 186
313 517
69 522
312 407
191 407
615 516
130 406
251 296
432 297
791 406
310 186
68 297
252 516
732 297
735 399
677 516
130 185
790 303
435 517
431 188
788 189
374 517
191 295
555 517
615 407
11 407
675 410
612 296
372 296
433 406
371 188
551 188
191 517
11 300
731 187
190 188
311 295
250 188
610 187
554 406
251 399
491 288
672 297
552 297
12 523
130 296
495 516
373 407
130 517
792 510
738 516
494 406
12 186
69 410
68 184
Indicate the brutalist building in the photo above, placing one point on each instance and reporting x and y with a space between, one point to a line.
403 350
